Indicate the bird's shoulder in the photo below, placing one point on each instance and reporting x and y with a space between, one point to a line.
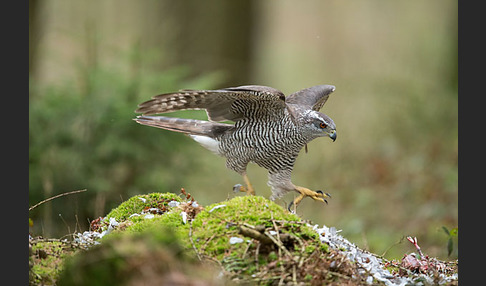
257 92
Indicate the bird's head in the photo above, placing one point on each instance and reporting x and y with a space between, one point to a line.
318 124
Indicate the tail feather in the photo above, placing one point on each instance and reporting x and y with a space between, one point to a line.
186 126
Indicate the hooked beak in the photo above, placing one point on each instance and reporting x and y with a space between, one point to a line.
333 135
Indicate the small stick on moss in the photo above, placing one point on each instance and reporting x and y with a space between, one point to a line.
192 242
55 197
246 250
302 250
277 240
281 248
257 251
246 231
294 275
275 227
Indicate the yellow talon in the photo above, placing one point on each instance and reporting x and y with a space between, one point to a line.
304 192
248 189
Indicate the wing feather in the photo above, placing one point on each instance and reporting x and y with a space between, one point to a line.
313 97
234 103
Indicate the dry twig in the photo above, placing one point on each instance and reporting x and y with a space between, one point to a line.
55 197
192 241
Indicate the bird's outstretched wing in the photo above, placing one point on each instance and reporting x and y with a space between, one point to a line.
234 103
313 97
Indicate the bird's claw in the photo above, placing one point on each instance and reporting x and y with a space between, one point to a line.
323 195
239 188
289 208
328 195
304 192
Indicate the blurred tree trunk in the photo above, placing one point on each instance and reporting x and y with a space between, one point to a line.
204 35
35 28
35 31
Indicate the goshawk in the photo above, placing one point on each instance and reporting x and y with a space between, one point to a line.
269 129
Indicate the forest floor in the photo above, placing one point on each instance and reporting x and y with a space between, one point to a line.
167 238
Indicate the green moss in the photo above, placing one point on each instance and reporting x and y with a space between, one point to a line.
216 225
310 249
137 204
272 256
152 256
171 220
254 210
208 235
47 260
324 247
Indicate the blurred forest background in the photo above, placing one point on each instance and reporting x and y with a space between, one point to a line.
392 171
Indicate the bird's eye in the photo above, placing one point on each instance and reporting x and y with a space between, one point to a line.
322 125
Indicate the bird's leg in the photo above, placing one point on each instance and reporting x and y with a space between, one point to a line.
248 189
305 192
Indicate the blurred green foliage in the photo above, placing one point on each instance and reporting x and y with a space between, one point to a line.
86 138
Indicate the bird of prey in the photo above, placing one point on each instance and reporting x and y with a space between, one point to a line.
269 129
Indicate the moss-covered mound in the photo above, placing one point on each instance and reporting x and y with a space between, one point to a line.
258 241
153 256
139 203
228 228
250 238
165 239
